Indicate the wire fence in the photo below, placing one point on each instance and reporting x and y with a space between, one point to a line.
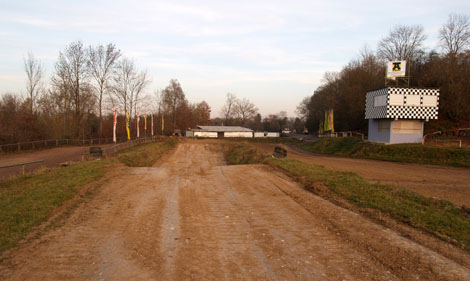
44 144
342 135
22 165
460 136
31 166
112 150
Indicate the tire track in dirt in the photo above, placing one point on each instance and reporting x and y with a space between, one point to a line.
193 218
448 183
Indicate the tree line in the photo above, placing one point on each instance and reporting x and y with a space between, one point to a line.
446 67
87 83
242 112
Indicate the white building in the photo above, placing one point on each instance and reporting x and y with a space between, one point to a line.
267 134
397 115
222 132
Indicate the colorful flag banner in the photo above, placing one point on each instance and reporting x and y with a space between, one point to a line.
325 123
331 120
114 125
163 123
151 116
127 126
138 121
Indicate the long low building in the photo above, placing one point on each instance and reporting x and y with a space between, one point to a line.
222 132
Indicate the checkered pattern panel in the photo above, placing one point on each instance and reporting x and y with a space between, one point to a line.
373 112
402 111
413 112
413 91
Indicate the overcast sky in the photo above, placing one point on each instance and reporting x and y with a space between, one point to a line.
271 52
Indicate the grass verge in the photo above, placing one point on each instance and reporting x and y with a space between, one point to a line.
438 217
147 154
411 153
242 153
274 140
27 201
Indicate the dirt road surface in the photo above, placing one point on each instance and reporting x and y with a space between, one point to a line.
440 182
52 158
194 218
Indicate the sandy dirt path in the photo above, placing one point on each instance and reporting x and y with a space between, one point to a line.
194 218
441 182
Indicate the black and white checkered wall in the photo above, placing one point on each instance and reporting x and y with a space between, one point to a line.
401 111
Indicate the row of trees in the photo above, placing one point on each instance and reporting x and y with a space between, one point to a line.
447 68
242 112
86 85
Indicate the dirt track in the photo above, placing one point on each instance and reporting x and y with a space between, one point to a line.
441 182
193 218
52 158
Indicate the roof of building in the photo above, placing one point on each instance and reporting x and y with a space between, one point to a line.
224 129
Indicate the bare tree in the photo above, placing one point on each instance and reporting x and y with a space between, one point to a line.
402 43
101 63
72 76
227 110
454 35
173 97
129 84
34 74
244 109
157 101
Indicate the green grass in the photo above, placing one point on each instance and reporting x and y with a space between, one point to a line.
241 153
411 153
438 217
27 201
147 154
435 216
274 140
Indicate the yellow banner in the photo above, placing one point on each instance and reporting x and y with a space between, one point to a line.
127 126
145 118
163 123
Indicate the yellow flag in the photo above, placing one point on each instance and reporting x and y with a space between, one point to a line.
127 126
163 123
332 123
145 118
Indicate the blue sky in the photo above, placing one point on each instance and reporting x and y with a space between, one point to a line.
271 52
